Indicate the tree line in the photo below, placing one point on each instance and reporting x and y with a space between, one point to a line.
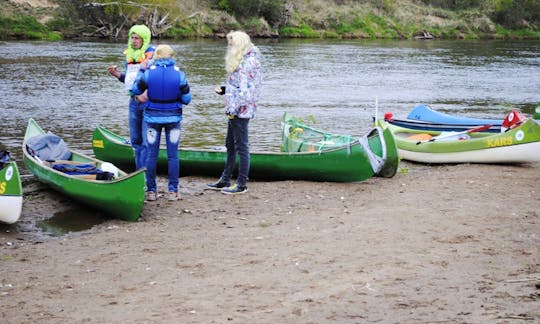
284 18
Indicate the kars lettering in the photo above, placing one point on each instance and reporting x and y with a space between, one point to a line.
500 141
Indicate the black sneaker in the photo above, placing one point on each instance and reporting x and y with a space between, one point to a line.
234 190
218 185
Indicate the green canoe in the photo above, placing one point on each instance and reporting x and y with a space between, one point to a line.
120 197
379 146
11 193
520 144
343 164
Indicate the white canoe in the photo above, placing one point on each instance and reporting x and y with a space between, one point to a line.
11 194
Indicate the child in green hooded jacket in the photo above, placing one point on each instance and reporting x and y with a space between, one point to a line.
138 53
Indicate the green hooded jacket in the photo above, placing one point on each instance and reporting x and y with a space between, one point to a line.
138 55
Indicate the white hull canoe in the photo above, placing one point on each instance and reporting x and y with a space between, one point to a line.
10 208
11 194
519 145
517 154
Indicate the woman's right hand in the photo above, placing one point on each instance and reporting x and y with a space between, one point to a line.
143 97
220 90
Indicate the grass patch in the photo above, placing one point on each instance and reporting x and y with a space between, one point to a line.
303 31
525 34
25 27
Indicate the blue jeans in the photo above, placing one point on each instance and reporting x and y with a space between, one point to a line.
153 137
236 142
136 132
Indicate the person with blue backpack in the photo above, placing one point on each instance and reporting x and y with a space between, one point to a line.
167 90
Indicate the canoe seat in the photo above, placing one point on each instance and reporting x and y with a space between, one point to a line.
70 162
420 137
84 170
86 176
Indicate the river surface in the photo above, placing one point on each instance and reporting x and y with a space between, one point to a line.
64 86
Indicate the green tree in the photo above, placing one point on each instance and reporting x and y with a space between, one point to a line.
515 14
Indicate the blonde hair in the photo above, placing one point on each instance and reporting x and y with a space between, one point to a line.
163 51
238 45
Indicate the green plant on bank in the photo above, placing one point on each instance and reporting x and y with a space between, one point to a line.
25 27
526 34
188 29
302 31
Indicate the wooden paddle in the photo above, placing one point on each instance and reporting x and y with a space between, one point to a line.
472 130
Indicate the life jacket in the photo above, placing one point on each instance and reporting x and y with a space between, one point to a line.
164 93
147 56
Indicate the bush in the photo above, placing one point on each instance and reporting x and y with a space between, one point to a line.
58 24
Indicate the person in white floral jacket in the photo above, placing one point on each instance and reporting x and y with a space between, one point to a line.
242 91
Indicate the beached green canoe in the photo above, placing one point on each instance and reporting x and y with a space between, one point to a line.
520 144
343 164
11 193
379 146
119 194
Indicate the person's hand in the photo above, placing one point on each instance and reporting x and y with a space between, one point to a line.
142 97
113 71
220 90
144 65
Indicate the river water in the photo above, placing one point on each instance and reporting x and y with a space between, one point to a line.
64 86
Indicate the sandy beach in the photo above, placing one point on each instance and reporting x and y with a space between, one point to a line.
434 244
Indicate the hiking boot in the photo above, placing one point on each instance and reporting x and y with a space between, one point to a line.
218 185
151 196
173 196
234 190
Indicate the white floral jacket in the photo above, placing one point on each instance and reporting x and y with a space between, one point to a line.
242 89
